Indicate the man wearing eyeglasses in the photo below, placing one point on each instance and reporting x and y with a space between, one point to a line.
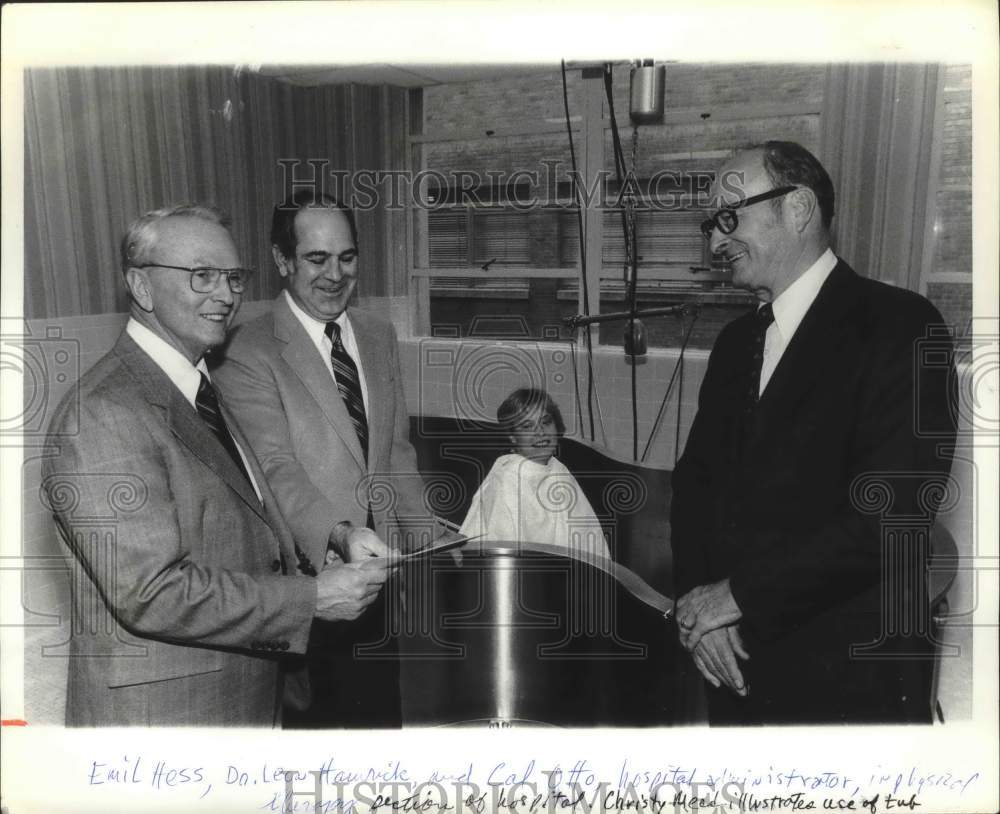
793 600
318 388
187 591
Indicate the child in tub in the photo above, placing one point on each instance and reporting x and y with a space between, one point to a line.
529 495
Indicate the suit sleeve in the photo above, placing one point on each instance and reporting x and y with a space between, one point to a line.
251 392
843 556
692 485
147 574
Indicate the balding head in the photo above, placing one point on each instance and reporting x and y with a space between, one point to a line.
769 222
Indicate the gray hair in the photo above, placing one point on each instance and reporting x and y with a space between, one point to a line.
141 235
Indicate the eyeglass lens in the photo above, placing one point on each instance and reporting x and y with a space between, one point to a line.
204 281
725 220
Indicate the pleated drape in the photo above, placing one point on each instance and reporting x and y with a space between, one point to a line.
881 131
104 145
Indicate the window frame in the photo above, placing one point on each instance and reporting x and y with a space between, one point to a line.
606 278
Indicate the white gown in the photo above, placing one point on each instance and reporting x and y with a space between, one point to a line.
522 500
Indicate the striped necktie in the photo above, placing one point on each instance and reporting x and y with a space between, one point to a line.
207 405
345 371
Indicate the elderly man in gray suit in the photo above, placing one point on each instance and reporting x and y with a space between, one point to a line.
185 613
317 387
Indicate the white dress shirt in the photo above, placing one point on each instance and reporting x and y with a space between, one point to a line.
323 343
185 376
789 309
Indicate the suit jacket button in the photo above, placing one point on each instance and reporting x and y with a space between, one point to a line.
276 566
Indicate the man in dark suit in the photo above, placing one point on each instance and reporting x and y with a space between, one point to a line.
186 592
803 500
318 389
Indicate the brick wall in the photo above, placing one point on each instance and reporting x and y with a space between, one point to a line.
537 98
954 301
953 249
489 105
954 197
712 111
708 87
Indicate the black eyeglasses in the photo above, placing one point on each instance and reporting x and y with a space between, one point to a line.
204 279
725 219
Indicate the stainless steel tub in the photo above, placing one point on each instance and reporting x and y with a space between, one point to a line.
521 634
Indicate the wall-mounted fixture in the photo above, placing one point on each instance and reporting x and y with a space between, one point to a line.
646 96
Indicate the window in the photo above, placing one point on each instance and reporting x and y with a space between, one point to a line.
501 226
667 226
498 250
489 241
504 257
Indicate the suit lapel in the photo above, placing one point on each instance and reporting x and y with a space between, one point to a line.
809 357
301 355
184 421
270 508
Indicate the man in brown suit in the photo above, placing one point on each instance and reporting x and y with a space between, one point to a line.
318 388
186 602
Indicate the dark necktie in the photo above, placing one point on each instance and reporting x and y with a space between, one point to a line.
349 384
764 317
207 404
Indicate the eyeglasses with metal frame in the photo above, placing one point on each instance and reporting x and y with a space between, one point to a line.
726 220
204 279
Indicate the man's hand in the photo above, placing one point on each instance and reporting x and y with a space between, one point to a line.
355 544
715 658
705 608
344 590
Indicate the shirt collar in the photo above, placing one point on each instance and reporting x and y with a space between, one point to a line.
313 327
185 376
791 306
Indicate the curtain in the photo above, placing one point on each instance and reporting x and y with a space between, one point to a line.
880 143
104 145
